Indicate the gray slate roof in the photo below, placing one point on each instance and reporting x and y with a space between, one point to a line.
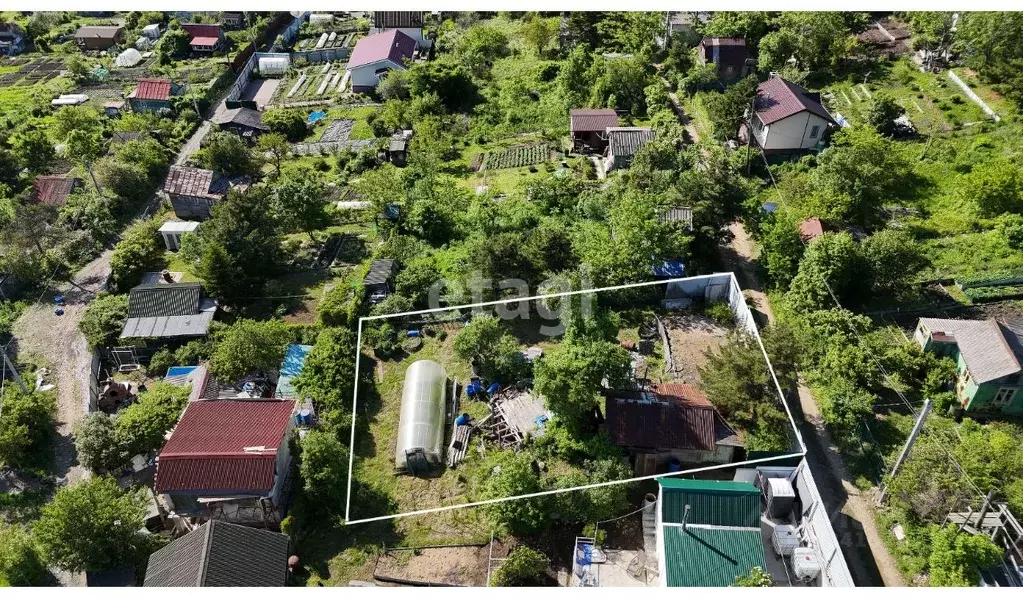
166 310
683 214
156 300
195 182
246 117
380 271
220 554
991 350
626 141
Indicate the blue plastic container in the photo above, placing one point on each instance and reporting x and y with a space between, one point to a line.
493 388
462 420
412 334
674 465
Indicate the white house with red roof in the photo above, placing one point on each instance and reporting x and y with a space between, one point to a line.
786 117
227 459
204 37
375 55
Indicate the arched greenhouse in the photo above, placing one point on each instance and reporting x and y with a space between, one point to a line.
421 424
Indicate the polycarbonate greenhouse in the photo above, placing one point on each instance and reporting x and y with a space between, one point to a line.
421 424
274 65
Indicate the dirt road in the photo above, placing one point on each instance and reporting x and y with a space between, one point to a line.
56 341
851 510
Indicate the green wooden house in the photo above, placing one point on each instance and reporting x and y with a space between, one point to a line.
989 354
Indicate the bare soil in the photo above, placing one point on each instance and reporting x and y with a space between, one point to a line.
691 336
452 565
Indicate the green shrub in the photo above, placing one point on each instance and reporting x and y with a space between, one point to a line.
524 567
720 312
103 320
160 362
997 293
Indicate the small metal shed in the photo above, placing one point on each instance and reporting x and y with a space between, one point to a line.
421 423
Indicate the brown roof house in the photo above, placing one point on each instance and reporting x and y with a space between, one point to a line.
669 423
588 128
727 54
408 22
786 118
54 189
193 191
99 37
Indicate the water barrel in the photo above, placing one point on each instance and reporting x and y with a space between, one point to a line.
59 311
462 419
305 417
493 388
674 465
412 334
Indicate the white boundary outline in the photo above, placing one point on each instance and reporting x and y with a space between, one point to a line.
756 334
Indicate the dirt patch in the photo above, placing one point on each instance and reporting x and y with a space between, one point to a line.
260 91
448 565
691 335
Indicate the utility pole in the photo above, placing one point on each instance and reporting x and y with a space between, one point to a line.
14 372
906 449
88 165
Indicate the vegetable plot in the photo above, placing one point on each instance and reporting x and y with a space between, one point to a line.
515 156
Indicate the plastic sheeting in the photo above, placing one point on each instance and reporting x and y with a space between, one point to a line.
128 58
423 407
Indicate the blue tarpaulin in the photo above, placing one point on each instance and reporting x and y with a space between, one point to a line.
318 115
294 360
670 269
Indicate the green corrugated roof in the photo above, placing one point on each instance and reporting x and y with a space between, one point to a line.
735 504
702 557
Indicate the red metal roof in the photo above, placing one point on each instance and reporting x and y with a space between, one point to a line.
660 424
682 393
778 99
204 41
202 30
811 228
592 119
390 45
53 189
152 89
224 445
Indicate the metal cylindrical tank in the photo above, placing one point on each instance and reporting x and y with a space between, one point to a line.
423 410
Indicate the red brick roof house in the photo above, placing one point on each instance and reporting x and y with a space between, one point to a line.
375 55
787 117
54 189
194 191
205 38
588 128
727 54
669 422
150 95
235 451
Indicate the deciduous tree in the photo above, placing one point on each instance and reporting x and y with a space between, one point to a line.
91 526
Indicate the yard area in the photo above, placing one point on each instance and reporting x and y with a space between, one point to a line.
310 83
932 101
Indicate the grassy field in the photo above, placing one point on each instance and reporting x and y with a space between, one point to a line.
932 101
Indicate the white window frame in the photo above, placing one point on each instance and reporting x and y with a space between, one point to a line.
814 130
1005 396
